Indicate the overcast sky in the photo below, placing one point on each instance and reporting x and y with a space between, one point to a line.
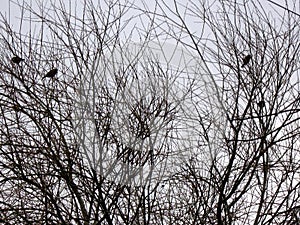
5 4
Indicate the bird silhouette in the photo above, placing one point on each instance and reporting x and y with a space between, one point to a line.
261 104
246 60
16 59
51 73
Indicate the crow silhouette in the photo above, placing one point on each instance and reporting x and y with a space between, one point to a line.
51 73
246 60
16 59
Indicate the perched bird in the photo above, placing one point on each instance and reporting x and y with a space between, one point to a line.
261 104
246 60
51 73
16 59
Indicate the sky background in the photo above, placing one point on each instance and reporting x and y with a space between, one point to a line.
8 4
9 10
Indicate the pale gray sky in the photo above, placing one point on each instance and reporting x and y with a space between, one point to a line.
269 6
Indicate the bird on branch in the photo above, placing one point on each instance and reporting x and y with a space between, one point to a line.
16 59
51 73
246 60
261 104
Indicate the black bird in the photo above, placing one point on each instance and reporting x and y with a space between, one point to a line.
51 73
16 59
261 104
246 60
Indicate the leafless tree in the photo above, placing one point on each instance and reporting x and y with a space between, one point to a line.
88 117
251 57
149 120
